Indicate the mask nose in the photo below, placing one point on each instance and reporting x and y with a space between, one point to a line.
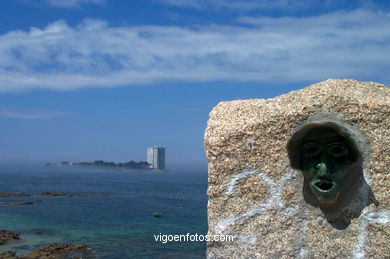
323 165
322 170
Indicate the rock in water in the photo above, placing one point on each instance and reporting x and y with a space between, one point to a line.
11 194
16 203
7 236
8 255
302 175
59 251
73 194
54 251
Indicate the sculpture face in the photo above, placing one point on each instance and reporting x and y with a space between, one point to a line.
327 164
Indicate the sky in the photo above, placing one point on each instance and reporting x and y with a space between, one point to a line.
82 80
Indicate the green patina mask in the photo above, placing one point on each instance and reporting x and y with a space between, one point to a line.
327 160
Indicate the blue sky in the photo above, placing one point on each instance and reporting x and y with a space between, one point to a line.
103 79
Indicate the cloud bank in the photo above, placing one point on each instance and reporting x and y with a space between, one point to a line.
282 5
354 44
243 4
68 3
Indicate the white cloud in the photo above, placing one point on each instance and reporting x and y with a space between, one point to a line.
241 5
73 3
353 44
29 115
181 3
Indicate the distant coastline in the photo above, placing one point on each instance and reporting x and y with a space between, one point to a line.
132 165
100 163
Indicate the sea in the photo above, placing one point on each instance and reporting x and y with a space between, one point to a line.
119 225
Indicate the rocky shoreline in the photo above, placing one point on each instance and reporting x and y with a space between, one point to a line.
54 251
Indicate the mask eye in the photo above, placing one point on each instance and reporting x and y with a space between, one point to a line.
337 150
311 149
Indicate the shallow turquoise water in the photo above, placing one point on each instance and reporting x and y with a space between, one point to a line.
120 225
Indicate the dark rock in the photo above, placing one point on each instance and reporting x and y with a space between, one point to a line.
73 194
11 194
89 195
56 194
54 251
58 251
7 236
8 255
16 203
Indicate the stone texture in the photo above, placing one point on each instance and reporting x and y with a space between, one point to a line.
256 196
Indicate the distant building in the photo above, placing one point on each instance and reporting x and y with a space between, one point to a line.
156 157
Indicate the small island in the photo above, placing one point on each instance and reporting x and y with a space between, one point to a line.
141 165
155 162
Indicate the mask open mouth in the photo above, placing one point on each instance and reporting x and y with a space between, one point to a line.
325 189
324 185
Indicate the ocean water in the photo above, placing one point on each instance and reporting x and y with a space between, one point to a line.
119 225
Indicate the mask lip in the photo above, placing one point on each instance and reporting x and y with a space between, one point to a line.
324 182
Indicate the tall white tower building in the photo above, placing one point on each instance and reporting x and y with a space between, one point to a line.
156 157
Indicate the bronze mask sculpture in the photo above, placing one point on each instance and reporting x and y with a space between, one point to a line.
329 160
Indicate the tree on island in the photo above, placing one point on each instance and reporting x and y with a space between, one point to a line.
128 165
